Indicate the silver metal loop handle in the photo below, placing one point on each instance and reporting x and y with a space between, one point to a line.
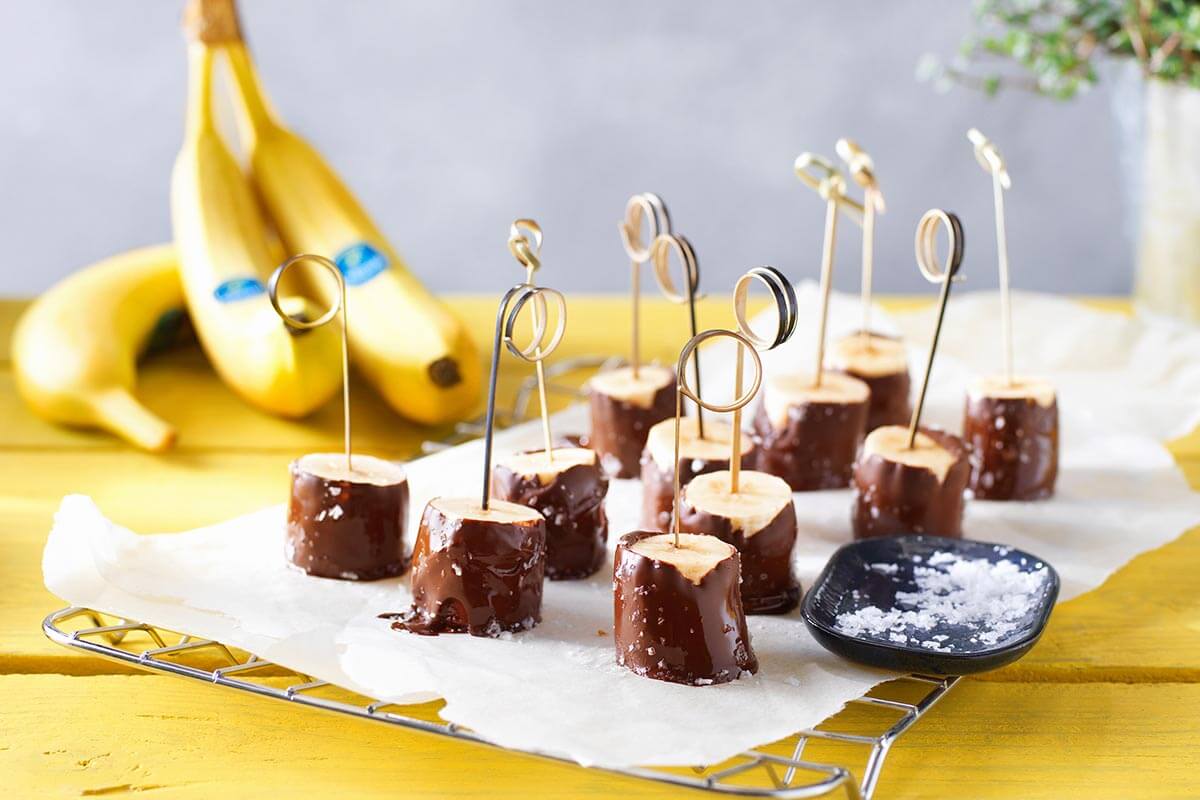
785 303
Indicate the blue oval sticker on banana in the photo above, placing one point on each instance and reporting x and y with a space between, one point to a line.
360 262
235 289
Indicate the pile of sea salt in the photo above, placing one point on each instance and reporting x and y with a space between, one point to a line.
980 601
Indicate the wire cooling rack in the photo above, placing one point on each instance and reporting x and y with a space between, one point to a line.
845 755
869 726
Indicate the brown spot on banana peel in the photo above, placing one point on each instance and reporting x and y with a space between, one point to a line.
299 316
444 372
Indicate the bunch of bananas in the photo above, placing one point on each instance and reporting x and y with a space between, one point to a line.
75 349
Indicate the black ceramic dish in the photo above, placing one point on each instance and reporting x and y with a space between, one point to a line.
870 573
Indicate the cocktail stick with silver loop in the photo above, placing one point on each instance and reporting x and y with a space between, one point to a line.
649 207
993 163
786 311
660 252
305 325
927 261
528 255
537 349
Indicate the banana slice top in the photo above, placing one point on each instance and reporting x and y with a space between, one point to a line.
697 554
759 498
621 384
890 442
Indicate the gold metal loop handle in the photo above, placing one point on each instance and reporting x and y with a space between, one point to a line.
647 208
686 355
989 157
785 304
527 253
862 171
660 257
820 175
304 324
538 348
339 304
927 241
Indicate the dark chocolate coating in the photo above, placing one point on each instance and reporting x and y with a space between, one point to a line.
573 507
1014 447
768 586
667 628
817 446
475 576
658 485
892 498
619 428
344 529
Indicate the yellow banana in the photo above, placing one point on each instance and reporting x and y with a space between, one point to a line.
410 346
225 253
75 348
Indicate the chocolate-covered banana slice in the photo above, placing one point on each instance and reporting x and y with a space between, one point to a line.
347 524
809 435
902 490
624 408
569 491
697 456
476 571
1012 431
677 611
881 363
760 521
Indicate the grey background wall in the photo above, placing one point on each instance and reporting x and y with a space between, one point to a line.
449 119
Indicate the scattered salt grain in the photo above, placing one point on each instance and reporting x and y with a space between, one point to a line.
983 601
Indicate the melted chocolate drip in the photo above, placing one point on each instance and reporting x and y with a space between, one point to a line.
573 507
481 577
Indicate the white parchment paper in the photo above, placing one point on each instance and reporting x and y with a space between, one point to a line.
1124 384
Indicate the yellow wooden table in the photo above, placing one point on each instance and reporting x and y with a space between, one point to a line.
1107 705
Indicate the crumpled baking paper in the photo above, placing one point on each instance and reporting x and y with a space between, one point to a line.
1124 383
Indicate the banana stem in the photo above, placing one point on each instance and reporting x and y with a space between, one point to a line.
211 21
200 80
254 112
117 411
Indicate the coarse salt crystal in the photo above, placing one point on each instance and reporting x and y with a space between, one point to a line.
988 600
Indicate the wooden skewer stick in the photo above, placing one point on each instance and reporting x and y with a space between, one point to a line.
660 251
682 389
831 186
529 256
534 352
862 171
926 247
650 207
786 312
305 325
993 163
